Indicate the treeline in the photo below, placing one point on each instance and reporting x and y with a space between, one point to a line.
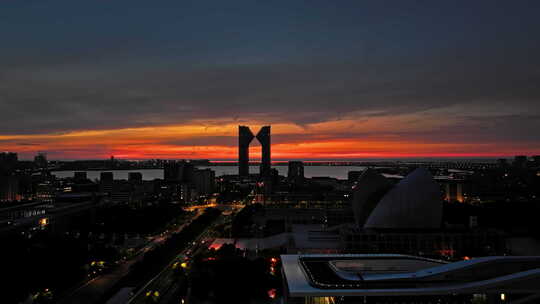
242 222
516 218
228 277
52 262
145 220
56 261
156 259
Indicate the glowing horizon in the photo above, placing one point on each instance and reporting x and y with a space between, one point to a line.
333 140
141 80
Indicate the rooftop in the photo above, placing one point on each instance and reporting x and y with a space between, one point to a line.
391 274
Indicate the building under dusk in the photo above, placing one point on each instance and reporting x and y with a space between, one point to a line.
245 136
382 216
415 202
244 139
408 218
295 172
392 278
266 161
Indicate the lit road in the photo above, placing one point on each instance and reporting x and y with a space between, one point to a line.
166 283
93 290
218 206
199 207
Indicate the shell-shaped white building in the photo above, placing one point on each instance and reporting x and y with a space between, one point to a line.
415 202
369 189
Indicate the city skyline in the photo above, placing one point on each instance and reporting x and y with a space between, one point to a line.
376 79
250 151
326 149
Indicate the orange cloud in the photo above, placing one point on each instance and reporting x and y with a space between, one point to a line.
341 139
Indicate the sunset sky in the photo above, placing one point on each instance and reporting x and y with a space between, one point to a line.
335 79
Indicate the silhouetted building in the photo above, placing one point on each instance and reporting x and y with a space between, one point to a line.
135 177
520 161
106 180
244 139
180 177
9 188
113 162
245 136
415 202
9 184
426 242
370 188
45 192
353 176
8 162
295 174
503 162
264 138
41 160
453 191
178 171
204 181
80 176
186 192
405 279
121 191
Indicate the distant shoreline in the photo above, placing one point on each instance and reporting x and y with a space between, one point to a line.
381 163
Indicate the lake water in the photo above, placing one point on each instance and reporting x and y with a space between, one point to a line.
151 174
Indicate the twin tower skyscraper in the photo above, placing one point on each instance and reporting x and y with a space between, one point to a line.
244 139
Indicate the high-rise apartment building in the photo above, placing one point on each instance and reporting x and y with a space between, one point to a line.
8 162
9 188
135 177
264 138
41 160
178 171
520 161
295 173
245 136
80 176
204 181
106 180
244 139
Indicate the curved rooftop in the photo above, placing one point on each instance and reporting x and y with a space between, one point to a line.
415 202
367 192
401 275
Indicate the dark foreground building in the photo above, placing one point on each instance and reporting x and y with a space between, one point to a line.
244 139
391 278
245 136
264 138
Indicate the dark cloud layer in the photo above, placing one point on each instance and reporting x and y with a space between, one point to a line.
328 63
87 97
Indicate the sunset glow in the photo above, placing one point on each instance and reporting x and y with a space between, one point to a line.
337 140
177 85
